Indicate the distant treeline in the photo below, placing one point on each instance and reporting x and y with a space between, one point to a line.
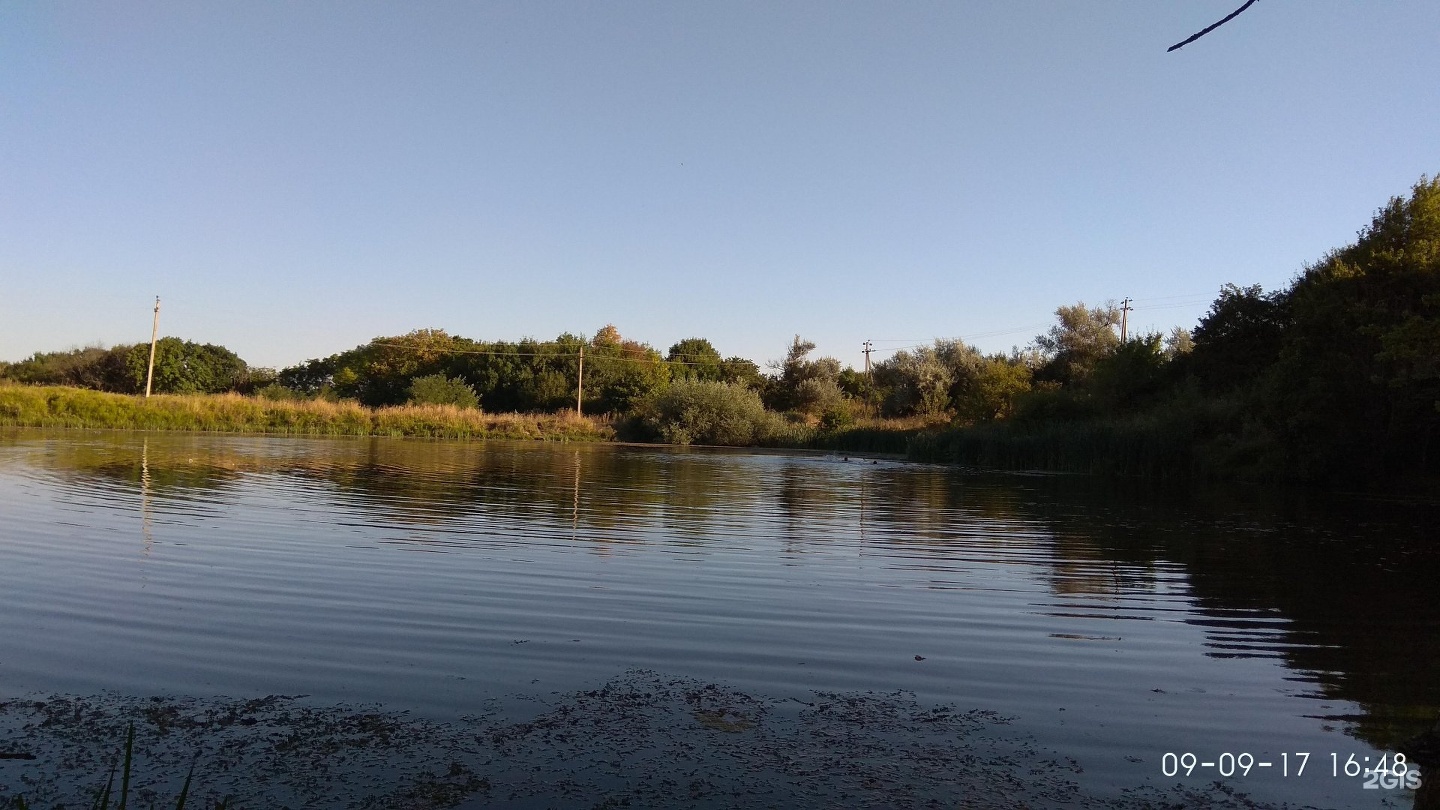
181 367
1336 377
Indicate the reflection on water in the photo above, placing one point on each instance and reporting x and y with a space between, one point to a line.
1113 624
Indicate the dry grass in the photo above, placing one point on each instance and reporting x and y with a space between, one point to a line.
53 406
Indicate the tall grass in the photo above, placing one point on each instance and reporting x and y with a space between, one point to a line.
1198 441
872 435
62 407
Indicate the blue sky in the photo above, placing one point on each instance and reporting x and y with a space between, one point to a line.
296 178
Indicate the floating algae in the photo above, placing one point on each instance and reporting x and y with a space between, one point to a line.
641 740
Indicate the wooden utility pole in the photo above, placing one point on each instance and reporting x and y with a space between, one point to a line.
580 382
154 333
1124 319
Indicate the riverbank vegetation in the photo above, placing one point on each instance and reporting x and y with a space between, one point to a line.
1335 378
65 407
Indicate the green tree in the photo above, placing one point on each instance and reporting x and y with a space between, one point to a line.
1130 377
1239 338
915 383
1179 343
1080 337
993 393
91 367
620 372
185 367
695 359
739 371
437 389
1353 390
804 385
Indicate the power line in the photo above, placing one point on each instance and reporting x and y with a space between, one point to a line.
914 343
576 354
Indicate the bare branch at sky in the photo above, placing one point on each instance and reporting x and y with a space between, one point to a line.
1228 17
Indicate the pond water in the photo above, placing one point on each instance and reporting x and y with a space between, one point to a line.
1100 626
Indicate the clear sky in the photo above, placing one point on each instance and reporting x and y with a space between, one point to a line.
296 178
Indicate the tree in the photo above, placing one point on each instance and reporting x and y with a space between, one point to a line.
437 389
695 359
805 385
620 372
1353 390
1179 343
1076 343
1001 381
185 367
1130 377
1240 337
739 371
91 367
915 383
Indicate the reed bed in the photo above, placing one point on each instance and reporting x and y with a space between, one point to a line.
872 435
1142 447
63 407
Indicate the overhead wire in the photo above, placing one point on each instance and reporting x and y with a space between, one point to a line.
913 343
451 350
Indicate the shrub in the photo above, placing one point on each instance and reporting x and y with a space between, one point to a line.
275 392
437 389
837 416
703 412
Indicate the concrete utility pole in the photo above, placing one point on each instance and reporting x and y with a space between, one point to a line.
580 382
869 380
1124 319
154 333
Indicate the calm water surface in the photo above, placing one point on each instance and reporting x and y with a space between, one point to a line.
438 578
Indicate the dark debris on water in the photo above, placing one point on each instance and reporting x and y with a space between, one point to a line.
642 740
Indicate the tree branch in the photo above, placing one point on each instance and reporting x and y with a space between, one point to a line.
1232 15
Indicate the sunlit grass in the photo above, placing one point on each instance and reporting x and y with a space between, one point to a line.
61 407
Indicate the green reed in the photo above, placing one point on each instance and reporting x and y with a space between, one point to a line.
124 762
1140 447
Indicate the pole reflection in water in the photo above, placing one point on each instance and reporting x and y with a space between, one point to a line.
147 537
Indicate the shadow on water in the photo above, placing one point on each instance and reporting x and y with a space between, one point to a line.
1353 578
1351 581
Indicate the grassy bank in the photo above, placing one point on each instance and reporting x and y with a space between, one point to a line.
46 406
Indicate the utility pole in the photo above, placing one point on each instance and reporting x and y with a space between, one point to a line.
1124 319
154 333
580 381
869 379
